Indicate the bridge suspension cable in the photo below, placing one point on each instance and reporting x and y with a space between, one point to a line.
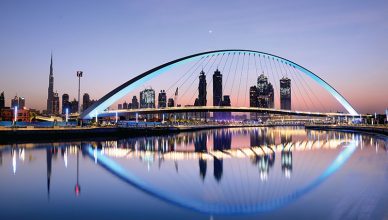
235 73
309 88
235 67
239 84
246 82
230 67
300 84
195 77
183 75
206 73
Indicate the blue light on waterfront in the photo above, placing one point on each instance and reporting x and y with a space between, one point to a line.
199 174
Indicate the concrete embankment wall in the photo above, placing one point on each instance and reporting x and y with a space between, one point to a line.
12 135
368 129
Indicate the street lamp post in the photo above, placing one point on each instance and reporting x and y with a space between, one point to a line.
79 75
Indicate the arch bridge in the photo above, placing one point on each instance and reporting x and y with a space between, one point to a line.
284 65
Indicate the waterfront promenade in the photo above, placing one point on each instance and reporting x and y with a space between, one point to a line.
11 134
377 129
15 134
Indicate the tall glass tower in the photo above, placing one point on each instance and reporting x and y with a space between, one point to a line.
265 92
50 95
285 93
162 99
202 89
217 88
147 98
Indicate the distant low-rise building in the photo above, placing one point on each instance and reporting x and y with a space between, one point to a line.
6 114
23 115
170 102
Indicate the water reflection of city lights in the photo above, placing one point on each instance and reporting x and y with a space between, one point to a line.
223 164
14 161
65 157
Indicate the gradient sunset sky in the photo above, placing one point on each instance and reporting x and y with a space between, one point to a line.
344 42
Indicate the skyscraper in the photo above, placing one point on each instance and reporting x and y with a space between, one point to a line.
50 95
271 96
74 106
22 102
147 98
265 92
65 103
202 89
253 101
85 101
55 104
217 92
162 99
217 88
253 96
285 93
15 102
135 103
2 100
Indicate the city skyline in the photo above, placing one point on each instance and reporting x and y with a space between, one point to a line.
127 54
193 109
263 95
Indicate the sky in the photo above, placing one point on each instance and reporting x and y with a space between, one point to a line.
344 42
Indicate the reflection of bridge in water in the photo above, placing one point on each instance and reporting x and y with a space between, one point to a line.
234 188
216 146
222 171
237 194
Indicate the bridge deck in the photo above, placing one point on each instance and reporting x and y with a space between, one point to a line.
226 109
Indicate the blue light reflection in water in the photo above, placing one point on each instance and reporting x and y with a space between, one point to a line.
239 173
201 206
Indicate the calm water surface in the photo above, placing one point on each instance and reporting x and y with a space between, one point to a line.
237 173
